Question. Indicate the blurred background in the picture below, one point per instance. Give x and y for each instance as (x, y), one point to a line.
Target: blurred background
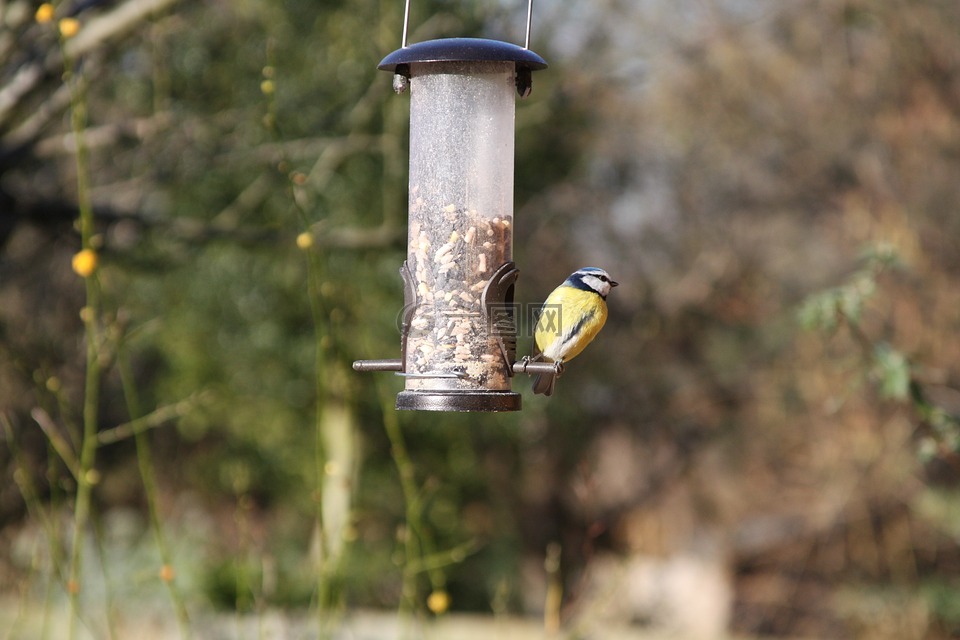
(763, 441)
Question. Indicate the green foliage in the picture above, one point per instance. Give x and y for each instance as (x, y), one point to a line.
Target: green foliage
(892, 371)
(943, 598)
(889, 368)
(825, 309)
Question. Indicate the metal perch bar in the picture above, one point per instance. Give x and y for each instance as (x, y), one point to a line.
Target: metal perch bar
(531, 368)
(386, 364)
(522, 366)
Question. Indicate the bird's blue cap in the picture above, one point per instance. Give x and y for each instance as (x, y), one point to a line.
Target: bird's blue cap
(576, 278)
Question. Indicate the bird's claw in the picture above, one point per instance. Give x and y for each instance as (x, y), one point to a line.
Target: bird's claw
(524, 361)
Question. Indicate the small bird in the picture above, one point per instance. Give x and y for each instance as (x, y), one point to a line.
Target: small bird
(570, 318)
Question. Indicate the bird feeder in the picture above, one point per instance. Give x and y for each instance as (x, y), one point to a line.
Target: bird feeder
(459, 323)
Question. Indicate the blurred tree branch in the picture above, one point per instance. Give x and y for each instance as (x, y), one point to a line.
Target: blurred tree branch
(58, 440)
(33, 96)
(116, 23)
(156, 418)
(194, 231)
(98, 31)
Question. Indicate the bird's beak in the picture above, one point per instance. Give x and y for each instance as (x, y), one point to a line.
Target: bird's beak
(613, 284)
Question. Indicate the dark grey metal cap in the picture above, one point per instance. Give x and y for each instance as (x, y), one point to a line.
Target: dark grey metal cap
(462, 50)
(459, 400)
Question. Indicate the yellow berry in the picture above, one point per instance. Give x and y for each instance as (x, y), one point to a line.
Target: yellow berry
(69, 27)
(438, 601)
(167, 573)
(85, 262)
(267, 87)
(305, 240)
(44, 13)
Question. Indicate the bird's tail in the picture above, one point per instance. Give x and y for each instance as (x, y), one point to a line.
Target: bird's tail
(544, 384)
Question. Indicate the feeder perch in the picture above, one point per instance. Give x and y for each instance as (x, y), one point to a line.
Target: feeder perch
(458, 323)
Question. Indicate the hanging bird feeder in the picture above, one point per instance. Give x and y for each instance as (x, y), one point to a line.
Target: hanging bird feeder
(459, 320)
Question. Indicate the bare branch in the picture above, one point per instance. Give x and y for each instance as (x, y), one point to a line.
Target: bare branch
(60, 444)
(93, 34)
(104, 136)
(23, 82)
(116, 23)
(28, 130)
(152, 420)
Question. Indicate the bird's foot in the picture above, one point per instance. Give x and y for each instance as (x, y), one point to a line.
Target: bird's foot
(522, 365)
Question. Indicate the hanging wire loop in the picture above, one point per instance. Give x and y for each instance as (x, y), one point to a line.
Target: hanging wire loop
(526, 42)
(406, 24)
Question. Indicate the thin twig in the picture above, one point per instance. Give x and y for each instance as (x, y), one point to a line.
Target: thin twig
(156, 418)
(412, 503)
(443, 559)
(148, 476)
(86, 476)
(56, 439)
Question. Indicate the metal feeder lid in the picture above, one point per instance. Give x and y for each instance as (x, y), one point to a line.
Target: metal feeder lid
(462, 50)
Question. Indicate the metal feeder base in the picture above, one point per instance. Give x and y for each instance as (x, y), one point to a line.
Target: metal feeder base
(458, 401)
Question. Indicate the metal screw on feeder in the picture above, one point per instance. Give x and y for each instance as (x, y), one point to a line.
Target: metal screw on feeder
(459, 330)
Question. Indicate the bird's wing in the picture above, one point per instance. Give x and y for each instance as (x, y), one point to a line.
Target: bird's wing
(572, 337)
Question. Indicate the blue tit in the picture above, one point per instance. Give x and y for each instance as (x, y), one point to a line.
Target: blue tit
(570, 318)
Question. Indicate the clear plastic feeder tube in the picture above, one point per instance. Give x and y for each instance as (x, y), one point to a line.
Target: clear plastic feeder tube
(458, 329)
(460, 220)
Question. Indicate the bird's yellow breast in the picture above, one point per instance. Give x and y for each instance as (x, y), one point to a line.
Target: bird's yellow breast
(569, 320)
